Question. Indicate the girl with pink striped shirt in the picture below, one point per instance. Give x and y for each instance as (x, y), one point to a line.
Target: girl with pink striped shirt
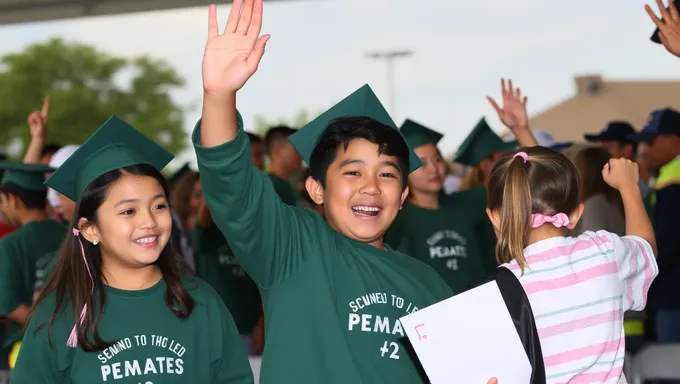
(578, 287)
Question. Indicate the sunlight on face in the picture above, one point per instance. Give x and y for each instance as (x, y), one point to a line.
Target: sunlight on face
(429, 178)
(363, 191)
(134, 222)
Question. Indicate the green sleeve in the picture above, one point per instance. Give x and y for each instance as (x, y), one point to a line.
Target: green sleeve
(485, 234)
(38, 361)
(229, 364)
(264, 233)
(9, 279)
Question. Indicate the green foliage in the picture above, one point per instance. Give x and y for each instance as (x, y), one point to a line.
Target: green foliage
(86, 87)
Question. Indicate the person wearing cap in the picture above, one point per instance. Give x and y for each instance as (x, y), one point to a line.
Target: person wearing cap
(23, 202)
(479, 150)
(5, 227)
(284, 162)
(333, 291)
(662, 134)
(451, 233)
(120, 305)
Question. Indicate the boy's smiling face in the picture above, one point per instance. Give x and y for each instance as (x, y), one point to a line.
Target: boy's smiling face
(364, 191)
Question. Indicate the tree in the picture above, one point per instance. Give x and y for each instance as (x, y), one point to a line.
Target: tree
(301, 119)
(86, 87)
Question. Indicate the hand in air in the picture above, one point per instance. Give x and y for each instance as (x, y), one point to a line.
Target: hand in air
(669, 26)
(492, 381)
(37, 121)
(232, 57)
(621, 173)
(514, 111)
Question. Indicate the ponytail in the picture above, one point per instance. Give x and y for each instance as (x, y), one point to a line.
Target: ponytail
(515, 214)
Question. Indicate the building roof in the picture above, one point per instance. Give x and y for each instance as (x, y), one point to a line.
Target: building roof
(598, 101)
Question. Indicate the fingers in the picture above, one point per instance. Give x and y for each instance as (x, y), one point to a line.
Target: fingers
(662, 38)
(258, 51)
(495, 105)
(664, 12)
(518, 94)
(504, 92)
(493, 380)
(524, 102)
(256, 21)
(232, 21)
(246, 17)
(45, 107)
(674, 11)
(653, 16)
(213, 29)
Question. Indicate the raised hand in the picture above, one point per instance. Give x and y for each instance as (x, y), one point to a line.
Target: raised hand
(669, 26)
(621, 173)
(514, 111)
(37, 121)
(232, 57)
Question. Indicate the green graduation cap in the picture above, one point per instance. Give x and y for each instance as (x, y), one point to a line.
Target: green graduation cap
(183, 170)
(481, 143)
(417, 134)
(26, 176)
(362, 102)
(114, 145)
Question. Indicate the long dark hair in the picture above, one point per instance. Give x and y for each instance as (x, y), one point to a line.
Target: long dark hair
(70, 280)
(589, 163)
(545, 183)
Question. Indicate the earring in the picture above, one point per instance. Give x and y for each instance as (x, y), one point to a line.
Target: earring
(95, 242)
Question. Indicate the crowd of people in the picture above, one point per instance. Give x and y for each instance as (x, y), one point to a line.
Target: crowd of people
(112, 272)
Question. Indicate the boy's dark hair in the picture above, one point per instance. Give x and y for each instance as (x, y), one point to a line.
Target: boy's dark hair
(342, 131)
(31, 199)
(546, 183)
(253, 138)
(50, 148)
(275, 135)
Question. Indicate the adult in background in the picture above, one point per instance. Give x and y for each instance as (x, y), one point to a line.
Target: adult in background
(603, 207)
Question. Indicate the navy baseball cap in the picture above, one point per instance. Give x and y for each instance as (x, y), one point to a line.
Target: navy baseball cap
(661, 122)
(614, 131)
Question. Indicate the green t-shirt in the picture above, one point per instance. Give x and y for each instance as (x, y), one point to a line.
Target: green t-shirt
(332, 305)
(44, 267)
(453, 239)
(150, 343)
(284, 190)
(217, 265)
(20, 252)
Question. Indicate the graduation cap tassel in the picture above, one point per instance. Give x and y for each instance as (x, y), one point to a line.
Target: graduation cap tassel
(73, 337)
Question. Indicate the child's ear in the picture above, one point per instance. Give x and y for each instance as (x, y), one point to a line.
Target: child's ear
(495, 219)
(575, 216)
(88, 231)
(315, 190)
(404, 195)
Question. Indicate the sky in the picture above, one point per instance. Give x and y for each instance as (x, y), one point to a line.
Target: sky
(318, 53)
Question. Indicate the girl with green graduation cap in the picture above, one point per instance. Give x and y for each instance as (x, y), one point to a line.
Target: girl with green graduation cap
(332, 292)
(449, 232)
(119, 307)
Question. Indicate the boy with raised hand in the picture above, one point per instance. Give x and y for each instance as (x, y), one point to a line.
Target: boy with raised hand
(332, 292)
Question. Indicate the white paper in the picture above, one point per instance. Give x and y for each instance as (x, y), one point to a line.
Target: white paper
(468, 339)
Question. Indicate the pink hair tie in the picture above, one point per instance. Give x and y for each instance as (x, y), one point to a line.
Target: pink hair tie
(73, 337)
(523, 155)
(558, 220)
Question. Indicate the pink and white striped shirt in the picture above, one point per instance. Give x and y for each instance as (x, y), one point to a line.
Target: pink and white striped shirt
(579, 288)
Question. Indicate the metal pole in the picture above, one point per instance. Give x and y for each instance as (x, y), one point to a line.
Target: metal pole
(390, 57)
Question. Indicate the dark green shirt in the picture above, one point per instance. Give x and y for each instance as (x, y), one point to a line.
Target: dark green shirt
(456, 239)
(284, 190)
(150, 343)
(218, 266)
(332, 304)
(20, 253)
